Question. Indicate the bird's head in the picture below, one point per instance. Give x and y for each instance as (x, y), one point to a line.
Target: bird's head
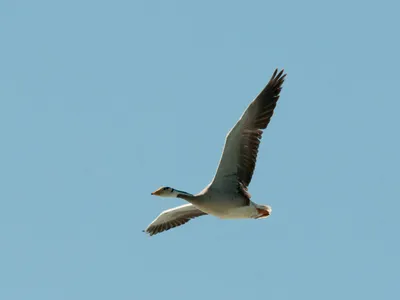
(165, 191)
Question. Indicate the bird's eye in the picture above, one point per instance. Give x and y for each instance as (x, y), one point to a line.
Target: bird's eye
(165, 188)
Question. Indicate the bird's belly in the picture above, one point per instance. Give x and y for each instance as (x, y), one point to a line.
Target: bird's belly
(229, 210)
(244, 212)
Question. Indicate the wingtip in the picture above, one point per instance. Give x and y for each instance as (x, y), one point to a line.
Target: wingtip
(148, 234)
(281, 72)
(279, 75)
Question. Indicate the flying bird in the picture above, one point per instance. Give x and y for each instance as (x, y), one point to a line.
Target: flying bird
(227, 195)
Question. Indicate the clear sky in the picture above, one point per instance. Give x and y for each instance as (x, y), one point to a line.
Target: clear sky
(102, 102)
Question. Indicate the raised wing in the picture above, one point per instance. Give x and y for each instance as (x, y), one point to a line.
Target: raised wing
(239, 156)
(173, 217)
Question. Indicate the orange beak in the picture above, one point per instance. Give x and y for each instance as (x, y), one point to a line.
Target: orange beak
(156, 193)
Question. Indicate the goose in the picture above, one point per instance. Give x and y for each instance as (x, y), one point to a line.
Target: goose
(227, 196)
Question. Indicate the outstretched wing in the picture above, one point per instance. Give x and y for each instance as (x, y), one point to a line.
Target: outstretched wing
(173, 217)
(239, 156)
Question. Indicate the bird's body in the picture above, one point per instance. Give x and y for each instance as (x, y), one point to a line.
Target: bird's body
(222, 204)
(227, 197)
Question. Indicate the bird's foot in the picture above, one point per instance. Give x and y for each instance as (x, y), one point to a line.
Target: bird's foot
(262, 213)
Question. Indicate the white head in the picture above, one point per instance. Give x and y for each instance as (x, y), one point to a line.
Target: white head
(166, 191)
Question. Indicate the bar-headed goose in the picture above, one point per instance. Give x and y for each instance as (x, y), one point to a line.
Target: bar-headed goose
(226, 196)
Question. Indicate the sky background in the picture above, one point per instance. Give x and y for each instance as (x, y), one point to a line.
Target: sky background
(102, 102)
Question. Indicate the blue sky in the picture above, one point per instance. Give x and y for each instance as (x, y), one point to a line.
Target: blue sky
(102, 102)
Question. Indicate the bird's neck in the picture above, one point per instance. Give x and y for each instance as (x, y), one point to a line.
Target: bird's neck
(183, 195)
